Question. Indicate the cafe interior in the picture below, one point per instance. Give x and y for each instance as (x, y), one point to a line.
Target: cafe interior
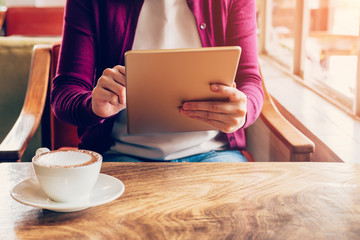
(302, 178)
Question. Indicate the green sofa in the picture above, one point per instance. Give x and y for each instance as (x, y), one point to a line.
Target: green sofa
(15, 59)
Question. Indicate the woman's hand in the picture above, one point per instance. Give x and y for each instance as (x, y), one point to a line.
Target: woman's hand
(109, 95)
(226, 116)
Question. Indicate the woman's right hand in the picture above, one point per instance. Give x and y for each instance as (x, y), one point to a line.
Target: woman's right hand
(109, 95)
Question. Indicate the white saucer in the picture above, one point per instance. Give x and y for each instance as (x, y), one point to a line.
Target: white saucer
(106, 189)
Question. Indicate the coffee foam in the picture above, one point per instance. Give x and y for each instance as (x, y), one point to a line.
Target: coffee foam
(66, 158)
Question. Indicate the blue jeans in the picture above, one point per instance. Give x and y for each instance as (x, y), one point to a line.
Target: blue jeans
(212, 156)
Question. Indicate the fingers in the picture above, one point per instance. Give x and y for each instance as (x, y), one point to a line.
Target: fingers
(120, 68)
(236, 101)
(231, 93)
(227, 121)
(111, 76)
(120, 78)
(226, 116)
(103, 94)
(223, 126)
(217, 107)
(232, 119)
(113, 80)
(109, 95)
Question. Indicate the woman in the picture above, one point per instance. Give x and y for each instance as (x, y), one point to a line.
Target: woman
(89, 88)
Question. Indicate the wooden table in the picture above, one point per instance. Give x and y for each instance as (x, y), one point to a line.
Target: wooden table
(201, 201)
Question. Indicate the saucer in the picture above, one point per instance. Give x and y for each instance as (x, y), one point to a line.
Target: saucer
(106, 189)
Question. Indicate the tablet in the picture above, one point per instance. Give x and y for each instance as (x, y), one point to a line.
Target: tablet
(158, 82)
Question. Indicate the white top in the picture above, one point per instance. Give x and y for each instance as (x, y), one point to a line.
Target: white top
(164, 24)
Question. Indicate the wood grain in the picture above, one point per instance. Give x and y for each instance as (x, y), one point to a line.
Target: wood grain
(273, 138)
(298, 144)
(15, 143)
(2, 16)
(201, 201)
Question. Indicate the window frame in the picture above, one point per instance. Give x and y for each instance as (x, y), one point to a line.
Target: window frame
(301, 32)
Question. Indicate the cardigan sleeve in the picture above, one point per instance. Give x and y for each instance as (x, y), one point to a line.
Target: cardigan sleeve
(241, 31)
(74, 80)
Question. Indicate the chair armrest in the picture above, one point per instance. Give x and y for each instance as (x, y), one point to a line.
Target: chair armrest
(15, 143)
(299, 145)
(273, 138)
(2, 16)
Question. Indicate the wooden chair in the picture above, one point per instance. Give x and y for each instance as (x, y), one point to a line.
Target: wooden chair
(271, 138)
(2, 16)
(15, 143)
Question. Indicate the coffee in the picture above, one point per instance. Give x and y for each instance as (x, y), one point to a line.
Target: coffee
(67, 158)
(67, 175)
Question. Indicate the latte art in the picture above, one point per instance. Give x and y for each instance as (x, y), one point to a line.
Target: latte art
(67, 158)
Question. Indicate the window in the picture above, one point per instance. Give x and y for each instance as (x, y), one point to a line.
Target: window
(281, 33)
(317, 40)
(332, 46)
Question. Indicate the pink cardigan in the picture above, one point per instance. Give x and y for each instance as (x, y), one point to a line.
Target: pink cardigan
(98, 33)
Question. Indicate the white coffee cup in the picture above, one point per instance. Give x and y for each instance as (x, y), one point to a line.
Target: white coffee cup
(67, 175)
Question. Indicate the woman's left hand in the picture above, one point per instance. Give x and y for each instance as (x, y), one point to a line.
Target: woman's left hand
(227, 116)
